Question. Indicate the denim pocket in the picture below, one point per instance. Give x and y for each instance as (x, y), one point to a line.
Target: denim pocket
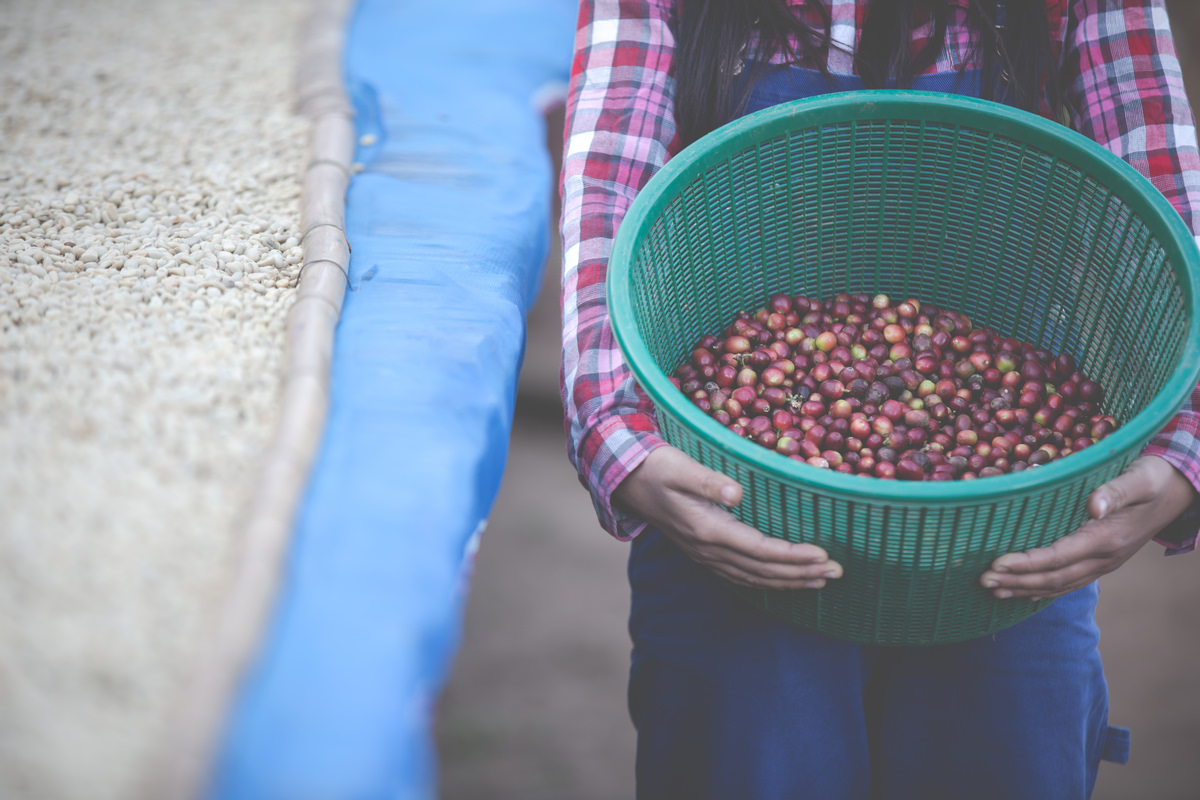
(1116, 745)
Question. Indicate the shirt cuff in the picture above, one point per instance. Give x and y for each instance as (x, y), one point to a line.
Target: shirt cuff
(616, 448)
(1183, 533)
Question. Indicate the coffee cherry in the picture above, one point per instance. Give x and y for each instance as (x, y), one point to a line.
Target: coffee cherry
(859, 385)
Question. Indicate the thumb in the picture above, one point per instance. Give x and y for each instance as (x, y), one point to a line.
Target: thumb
(693, 477)
(1131, 486)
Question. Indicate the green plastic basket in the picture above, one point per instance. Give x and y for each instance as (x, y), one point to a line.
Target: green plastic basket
(1026, 226)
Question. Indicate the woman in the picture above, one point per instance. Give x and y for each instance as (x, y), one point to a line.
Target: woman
(729, 703)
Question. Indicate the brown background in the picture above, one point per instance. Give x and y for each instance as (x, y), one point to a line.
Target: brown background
(535, 708)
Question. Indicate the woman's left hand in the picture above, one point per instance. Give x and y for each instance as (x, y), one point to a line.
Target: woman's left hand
(1126, 513)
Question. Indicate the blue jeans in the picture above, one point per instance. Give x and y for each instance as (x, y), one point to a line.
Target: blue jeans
(732, 704)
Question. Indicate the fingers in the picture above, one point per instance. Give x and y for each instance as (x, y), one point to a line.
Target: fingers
(742, 554)
(1039, 585)
(1080, 545)
(687, 501)
(691, 478)
(1126, 512)
(688, 475)
(1136, 485)
(769, 548)
(1094, 550)
(735, 574)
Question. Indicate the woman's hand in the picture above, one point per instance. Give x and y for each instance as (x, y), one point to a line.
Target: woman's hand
(675, 494)
(1126, 513)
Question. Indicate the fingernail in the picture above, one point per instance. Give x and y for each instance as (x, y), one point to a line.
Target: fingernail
(813, 584)
(991, 583)
(729, 494)
(1000, 568)
(1101, 507)
(1003, 594)
(830, 573)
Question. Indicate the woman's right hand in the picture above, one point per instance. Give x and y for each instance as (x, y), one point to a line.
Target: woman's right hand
(675, 494)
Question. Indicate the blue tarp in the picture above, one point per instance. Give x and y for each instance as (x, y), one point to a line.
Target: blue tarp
(448, 227)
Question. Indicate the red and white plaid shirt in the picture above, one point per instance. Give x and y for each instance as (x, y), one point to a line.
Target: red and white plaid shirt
(1123, 89)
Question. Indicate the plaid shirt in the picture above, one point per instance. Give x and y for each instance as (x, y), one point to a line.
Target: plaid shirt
(1123, 87)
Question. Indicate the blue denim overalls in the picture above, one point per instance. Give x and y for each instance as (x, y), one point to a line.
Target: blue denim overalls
(730, 704)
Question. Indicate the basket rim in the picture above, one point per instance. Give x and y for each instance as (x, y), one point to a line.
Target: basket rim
(1154, 210)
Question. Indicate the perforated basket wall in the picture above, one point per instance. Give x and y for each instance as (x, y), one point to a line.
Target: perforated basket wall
(1022, 224)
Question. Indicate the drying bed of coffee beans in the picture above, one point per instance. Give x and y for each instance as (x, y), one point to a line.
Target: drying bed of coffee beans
(151, 165)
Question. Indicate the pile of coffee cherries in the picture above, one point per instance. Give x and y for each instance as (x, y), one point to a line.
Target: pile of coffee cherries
(906, 391)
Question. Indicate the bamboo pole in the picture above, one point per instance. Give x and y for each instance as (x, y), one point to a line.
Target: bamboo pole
(190, 746)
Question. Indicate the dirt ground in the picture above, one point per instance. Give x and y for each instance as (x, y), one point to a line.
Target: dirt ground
(535, 708)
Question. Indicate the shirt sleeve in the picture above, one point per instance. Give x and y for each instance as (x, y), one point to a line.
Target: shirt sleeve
(1124, 89)
(620, 130)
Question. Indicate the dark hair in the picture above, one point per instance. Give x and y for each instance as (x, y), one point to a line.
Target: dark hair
(1010, 42)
